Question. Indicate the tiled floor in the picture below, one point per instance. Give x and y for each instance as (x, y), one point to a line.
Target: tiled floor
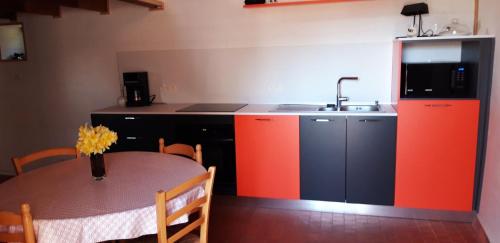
(4, 178)
(234, 223)
(248, 224)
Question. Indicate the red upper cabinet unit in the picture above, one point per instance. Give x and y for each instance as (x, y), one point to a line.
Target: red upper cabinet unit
(267, 156)
(436, 154)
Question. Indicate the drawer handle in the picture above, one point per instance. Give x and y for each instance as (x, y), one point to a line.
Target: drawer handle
(438, 105)
(369, 120)
(322, 120)
(131, 138)
(262, 119)
(129, 118)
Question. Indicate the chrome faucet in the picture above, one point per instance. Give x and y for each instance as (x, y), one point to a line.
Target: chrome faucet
(339, 91)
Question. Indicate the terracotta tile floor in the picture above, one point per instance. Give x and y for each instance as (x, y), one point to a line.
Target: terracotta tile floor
(233, 223)
(4, 178)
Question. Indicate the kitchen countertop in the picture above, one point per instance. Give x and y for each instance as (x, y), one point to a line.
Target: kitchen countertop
(251, 109)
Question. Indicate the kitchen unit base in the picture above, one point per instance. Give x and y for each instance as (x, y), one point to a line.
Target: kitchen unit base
(436, 156)
(323, 158)
(215, 133)
(348, 159)
(267, 156)
(351, 208)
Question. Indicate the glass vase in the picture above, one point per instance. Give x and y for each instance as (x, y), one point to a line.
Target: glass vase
(97, 166)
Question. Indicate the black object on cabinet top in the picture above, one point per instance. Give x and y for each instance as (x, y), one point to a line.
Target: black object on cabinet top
(207, 107)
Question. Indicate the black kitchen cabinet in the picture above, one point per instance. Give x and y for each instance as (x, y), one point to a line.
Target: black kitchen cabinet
(135, 132)
(371, 156)
(216, 136)
(323, 158)
(214, 133)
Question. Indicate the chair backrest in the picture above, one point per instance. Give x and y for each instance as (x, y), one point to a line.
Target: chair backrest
(182, 149)
(202, 204)
(13, 219)
(22, 161)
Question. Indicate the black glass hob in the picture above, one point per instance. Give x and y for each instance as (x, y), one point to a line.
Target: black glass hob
(212, 108)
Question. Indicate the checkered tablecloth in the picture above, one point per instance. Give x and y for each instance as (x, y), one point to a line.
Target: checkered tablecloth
(82, 210)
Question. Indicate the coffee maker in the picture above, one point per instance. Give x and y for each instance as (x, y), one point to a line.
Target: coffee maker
(137, 88)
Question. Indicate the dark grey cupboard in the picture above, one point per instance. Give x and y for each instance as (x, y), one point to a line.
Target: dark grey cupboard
(348, 159)
(371, 156)
(135, 132)
(214, 132)
(322, 158)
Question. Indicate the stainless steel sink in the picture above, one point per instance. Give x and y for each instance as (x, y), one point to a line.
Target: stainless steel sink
(325, 108)
(329, 108)
(360, 108)
(296, 108)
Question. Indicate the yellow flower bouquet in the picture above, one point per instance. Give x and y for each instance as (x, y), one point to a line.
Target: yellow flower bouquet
(95, 140)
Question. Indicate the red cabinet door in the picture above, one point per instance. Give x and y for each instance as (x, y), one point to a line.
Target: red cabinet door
(436, 154)
(267, 156)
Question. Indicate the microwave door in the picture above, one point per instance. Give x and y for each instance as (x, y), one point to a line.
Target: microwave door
(418, 81)
(440, 80)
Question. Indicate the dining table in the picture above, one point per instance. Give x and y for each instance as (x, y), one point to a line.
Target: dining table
(68, 205)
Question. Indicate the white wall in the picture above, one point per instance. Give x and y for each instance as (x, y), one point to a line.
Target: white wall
(278, 74)
(73, 69)
(489, 212)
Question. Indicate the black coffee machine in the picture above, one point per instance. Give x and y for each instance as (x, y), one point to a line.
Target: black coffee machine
(136, 85)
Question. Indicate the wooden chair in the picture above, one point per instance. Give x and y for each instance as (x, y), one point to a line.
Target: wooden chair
(25, 219)
(182, 149)
(28, 159)
(201, 204)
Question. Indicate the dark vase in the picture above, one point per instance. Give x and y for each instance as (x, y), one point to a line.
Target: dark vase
(97, 166)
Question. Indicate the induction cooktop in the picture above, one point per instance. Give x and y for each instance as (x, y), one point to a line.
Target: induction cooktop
(205, 107)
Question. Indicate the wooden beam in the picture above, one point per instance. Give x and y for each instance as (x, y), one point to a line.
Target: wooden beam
(11, 6)
(476, 17)
(151, 4)
(10, 15)
(43, 7)
(101, 6)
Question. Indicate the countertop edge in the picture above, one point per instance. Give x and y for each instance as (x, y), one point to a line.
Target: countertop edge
(251, 109)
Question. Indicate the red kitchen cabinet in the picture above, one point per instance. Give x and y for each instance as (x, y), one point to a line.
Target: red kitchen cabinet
(436, 154)
(267, 156)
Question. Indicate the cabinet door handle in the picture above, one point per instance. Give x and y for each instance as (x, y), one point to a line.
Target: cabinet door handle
(263, 119)
(369, 120)
(129, 118)
(438, 105)
(131, 138)
(322, 120)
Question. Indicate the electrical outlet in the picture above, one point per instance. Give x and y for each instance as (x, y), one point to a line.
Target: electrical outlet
(169, 87)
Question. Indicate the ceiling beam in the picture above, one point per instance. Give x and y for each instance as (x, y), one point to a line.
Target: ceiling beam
(151, 4)
(101, 6)
(476, 17)
(43, 7)
(10, 15)
(10, 8)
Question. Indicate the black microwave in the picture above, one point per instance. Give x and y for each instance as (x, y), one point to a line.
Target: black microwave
(437, 80)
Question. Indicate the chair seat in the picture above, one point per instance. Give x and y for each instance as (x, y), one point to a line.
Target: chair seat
(190, 238)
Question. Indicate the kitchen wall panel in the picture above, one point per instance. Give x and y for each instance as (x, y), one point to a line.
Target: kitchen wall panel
(281, 74)
(73, 67)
